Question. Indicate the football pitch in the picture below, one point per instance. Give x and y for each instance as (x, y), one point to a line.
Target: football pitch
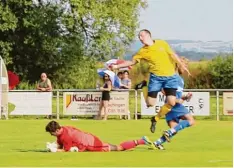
(207, 144)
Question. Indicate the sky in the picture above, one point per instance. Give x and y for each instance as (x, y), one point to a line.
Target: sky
(203, 20)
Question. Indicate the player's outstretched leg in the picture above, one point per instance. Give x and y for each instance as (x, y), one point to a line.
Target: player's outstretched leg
(168, 134)
(164, 110)
(148, 142)
(133, 144)
(170, 94)
(158, 143)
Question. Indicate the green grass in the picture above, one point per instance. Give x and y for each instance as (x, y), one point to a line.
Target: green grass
(208, 143)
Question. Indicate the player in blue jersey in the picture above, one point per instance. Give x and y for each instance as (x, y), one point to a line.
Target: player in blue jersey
(179, 117)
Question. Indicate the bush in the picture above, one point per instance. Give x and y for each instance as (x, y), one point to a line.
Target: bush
(221, 72)
(217, 73)
(26, 85)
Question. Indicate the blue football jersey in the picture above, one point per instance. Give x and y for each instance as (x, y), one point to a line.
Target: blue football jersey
(179, 109)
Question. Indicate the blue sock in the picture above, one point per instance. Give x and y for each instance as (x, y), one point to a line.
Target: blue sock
(182, 125)
(160, 140)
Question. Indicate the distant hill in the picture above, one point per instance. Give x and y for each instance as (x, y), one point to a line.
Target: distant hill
(194, 50)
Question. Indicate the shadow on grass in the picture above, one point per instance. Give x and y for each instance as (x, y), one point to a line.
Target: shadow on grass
(45, 151)
(31, 150)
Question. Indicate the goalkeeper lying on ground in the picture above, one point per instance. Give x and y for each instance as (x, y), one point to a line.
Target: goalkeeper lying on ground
(73, 139)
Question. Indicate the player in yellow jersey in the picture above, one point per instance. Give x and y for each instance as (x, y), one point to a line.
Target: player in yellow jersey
(161, 59)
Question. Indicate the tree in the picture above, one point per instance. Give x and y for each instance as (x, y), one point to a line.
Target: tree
(108, 25)
(8, 24)
(53, 36)
(40, 42)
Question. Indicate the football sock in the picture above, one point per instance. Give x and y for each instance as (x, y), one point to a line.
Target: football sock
(160, 141)
(164, 110)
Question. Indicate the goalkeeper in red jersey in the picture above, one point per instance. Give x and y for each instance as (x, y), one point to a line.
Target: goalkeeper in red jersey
(70, 138)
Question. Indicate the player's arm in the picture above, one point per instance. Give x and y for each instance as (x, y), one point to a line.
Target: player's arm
(125, 64)
(184, 97)
(71, 149)
(135, 59)
(175, 57)
(61, 150)
(180, 101)
(62, 145)
(67, 144)
(59, 144)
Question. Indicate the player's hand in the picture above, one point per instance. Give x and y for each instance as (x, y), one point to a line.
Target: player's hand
(186, 70)
(51, 147)
(189, 96)
(101, 88)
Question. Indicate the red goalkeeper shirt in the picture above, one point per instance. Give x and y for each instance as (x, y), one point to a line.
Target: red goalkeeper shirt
(71, 137)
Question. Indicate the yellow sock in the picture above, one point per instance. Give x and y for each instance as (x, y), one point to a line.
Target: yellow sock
(163, 111)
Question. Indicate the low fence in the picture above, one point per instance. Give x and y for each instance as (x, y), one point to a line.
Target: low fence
(76, 102)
